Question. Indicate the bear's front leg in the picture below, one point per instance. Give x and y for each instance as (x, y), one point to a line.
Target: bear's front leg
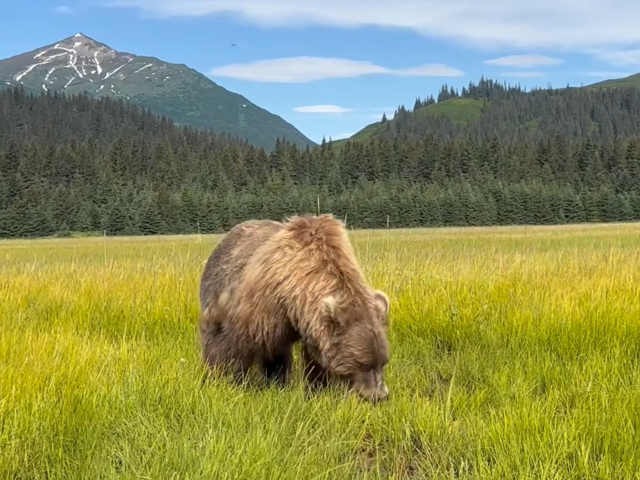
(222, 353)
(276, 368)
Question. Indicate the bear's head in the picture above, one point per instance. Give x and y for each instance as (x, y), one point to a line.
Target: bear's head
(359, 350)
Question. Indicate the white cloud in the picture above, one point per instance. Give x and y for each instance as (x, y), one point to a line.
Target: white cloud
(523, 74)
(322, 109)
(432, 70)
(64, 9)
(524, 61)
(560, 24)
(309, 69)
(620, 58)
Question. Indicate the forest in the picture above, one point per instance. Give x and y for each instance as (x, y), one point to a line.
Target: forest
(94, 166)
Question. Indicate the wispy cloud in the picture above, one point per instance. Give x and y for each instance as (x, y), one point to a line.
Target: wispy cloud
(523, 74)
(524, 61)
(561, 24)
(619, 58)
(64, 9)
(430, 70)
(309, 69)
(322, 109)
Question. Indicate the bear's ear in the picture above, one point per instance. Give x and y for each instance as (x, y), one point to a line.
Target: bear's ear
(382, 300)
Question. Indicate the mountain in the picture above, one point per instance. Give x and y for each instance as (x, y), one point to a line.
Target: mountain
(490, 106)
(80, 63)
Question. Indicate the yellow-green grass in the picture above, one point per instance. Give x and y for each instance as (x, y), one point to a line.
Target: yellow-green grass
(514, 354)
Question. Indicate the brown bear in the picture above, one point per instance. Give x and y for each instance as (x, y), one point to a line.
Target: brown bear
(270, 284)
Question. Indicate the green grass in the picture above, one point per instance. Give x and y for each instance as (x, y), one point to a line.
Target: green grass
(514, 354)
(458, 110)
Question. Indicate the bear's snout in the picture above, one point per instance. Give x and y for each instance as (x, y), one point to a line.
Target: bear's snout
(371, 386)
(376, 394)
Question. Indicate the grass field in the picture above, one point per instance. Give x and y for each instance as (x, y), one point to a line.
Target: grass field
(515, 353)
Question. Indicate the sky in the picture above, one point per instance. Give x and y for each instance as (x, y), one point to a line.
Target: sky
(332, 67)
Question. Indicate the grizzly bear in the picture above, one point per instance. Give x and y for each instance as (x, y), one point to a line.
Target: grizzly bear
(268, 285)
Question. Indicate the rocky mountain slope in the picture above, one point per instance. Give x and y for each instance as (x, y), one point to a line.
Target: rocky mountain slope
(80, 63)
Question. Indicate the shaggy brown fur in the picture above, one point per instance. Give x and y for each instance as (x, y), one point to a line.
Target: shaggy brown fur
(269, 284)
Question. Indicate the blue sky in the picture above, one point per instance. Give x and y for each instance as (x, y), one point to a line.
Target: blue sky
(331, 67)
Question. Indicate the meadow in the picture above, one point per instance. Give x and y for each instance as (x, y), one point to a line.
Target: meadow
(515, 353)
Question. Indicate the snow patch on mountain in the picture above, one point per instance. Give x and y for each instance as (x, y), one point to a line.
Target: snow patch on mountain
(142, 68)
(77, 58)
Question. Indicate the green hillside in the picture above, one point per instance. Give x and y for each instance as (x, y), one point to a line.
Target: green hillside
(468, 108)
(630, 81)
(460, 111)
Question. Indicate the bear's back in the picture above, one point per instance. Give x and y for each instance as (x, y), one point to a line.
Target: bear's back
(230, 257)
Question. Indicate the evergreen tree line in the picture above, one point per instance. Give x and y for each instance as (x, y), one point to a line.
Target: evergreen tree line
(522, 117)
(75, 163)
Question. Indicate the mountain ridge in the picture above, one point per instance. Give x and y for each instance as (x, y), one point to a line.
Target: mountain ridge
(79, 62)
